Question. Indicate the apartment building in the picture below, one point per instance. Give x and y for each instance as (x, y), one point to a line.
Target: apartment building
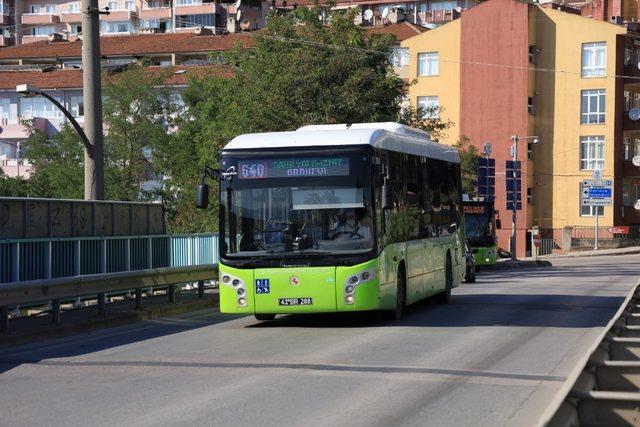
(513, 68)
(28, 21)
(66, 87)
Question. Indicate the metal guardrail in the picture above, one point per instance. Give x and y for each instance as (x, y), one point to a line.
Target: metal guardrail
(606, 233)
(546, 247)
(58, 289)
(32, 259)
(605, 387)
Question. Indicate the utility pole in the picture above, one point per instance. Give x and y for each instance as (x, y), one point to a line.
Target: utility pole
(92, 97)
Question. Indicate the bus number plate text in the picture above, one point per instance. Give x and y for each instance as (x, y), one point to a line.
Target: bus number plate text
(295, 301)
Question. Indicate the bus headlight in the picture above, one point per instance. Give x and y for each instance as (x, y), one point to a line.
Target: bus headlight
(349, 289)
(240, 291)
(349, 299)
(366, 275)
(236, 282)
(226, 279)
(242, 301)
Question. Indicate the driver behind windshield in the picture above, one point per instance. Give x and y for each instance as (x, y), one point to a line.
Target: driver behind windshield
(352, 225)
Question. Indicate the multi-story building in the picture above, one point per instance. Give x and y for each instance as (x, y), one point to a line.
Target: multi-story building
(27, 21)
(66, 87)
(508, 68)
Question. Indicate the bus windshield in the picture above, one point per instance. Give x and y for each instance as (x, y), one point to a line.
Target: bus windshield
(479, 226)
(269, 212)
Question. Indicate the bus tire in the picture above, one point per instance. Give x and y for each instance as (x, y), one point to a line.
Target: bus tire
(401, 294)
(445, 297)
(264, 317)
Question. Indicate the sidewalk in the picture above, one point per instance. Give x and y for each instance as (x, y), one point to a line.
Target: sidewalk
(633, 250)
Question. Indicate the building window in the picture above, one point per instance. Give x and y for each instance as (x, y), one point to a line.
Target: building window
(186, 21)
(594, 59)
(50, 9)
(591, 152)
(115, 27)
(38, 107)
(43, 31)
(77, 106)
(5, 109)
(429, 106)
(531, 105)
(35, 8)
(444, 5)
(627, 200)
(112, 5)
(75, 29)
(590, 210)
(428, 64)
(188, 2)
(400, 57)
(74, 8)
(533, 55)
(130, 5)
(593, 107)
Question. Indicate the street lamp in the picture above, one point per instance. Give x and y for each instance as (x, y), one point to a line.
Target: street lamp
(97, 173)
(514, 202)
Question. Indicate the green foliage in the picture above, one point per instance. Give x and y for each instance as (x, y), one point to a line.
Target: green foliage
(469, 165)
(135, 104)
(427, 119)
(299, 72)
(12, 187)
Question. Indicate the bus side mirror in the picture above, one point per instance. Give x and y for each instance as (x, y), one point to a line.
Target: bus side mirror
(202, 196)
(387, 197)
(498, 224)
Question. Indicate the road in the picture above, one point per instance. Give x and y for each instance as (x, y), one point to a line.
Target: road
(495, 356)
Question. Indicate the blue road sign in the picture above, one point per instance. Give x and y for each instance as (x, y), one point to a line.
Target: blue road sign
(599, 192)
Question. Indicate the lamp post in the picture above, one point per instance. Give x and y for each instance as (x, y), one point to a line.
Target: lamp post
(514, 202)
(97, 179)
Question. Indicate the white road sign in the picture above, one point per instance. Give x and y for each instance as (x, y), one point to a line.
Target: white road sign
(637, 205)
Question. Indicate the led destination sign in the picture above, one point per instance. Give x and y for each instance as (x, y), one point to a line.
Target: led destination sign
(292, 168)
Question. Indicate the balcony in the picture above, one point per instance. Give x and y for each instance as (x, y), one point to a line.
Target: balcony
(439, 16)
(120, 15)
(71, 17)
(33, 39)
(39, 18)
(6, 41)
(13, 129)
(196, 9)
(155, 13)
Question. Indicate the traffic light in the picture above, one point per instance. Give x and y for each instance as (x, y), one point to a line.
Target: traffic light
(487, 178)
(513, 184)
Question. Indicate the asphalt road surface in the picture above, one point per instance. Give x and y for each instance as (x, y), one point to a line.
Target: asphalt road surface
(496, 356)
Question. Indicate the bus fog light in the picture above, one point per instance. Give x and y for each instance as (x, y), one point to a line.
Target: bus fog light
(240, 291)
(353, 280)
(236, 282)
(226, 279)
(366, 275)
(349, 299)
(349, 289)
(242, 301)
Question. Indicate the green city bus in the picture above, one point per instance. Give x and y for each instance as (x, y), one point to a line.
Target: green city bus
(335, 218)
(480, 230)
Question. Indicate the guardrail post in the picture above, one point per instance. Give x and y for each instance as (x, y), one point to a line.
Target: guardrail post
(47, 259)
(102, 303)
(127, 255)
(138, 299)
(76, 258)
(200, 288)
(149, 253)
(55, 312)
(15, 262)
(4, 320)
(171, 290)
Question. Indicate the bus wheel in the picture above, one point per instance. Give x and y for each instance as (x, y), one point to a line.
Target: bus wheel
(264, 317)
(400, 295)
(445, 297)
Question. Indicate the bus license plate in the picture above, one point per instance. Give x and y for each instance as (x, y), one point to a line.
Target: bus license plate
(295, 301)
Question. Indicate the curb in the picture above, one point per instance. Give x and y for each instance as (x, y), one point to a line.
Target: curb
(109, 320)
(516, 265)
(591, 254)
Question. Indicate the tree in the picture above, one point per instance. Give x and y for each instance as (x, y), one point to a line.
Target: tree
(12, 186)
(427, 119)
(469, 165)
(136, 109)
(300, 71)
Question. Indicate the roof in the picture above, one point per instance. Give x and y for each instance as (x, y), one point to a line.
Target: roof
(131, 45)
(389, 135)
(72, 79)
(402, 30)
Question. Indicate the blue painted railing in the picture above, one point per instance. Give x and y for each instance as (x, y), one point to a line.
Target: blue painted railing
(31, 259)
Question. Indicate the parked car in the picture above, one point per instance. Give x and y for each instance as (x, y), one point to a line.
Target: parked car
(470, 273)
